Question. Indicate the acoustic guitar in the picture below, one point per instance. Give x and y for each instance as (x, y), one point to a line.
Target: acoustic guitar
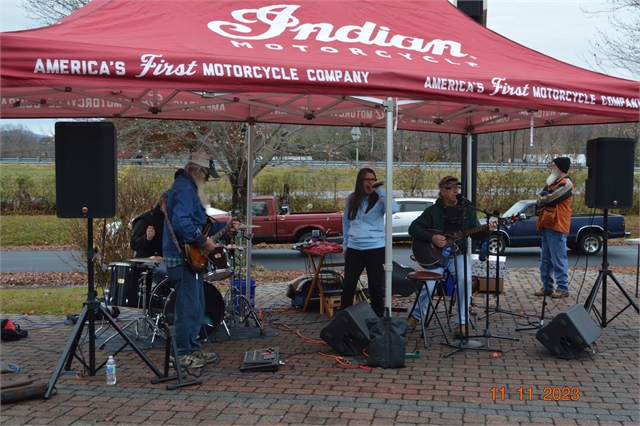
(426, 253)
(196, 256)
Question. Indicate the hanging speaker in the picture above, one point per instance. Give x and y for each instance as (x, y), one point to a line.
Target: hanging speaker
(348, 333)
(609, 183)
(569, 333)
(86, 180)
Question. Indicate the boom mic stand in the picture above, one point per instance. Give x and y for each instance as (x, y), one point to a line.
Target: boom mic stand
(487, 332)
(464, 342)
(602, 279)
(91, 305)
(544, 306)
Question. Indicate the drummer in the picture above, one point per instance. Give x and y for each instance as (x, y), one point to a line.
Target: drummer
(146, 239)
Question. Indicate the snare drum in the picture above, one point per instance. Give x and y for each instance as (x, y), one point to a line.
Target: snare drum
(129, 283)
(163, 302)
(219, 266)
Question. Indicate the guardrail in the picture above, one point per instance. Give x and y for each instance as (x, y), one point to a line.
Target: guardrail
(179, 162)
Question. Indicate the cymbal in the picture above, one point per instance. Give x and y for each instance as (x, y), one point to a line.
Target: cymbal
(248, 226)
(232, 246)
(152, 259)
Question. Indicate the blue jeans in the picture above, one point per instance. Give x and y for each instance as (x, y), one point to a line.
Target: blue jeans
(457, 270)
(189, 307)
(554, 260)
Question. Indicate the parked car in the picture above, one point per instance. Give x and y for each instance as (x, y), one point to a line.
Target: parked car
(410, 209)
(585, 233)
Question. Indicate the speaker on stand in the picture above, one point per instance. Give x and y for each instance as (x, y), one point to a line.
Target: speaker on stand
(609, 185)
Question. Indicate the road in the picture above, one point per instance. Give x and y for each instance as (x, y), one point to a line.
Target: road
(289, 259)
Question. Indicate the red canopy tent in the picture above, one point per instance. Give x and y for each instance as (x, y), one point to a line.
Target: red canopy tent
(325, 63)
(414, 65)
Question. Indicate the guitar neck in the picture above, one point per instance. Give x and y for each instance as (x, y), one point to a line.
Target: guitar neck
(220, 233)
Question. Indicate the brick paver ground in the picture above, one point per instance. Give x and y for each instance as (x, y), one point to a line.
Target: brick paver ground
(314, 387)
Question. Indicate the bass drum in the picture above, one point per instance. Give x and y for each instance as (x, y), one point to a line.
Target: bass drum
(163, 303)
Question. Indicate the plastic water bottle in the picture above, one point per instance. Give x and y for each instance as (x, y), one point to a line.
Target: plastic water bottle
(444, 258)
(111, 371)
(483, 252)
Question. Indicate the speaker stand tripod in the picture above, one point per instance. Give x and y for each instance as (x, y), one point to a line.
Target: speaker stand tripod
(602, 279)
(91, 305)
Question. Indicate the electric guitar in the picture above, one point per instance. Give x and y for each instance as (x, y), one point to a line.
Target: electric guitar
(196, 256)
(426, 253)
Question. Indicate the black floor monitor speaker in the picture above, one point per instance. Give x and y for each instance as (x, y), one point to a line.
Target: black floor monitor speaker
(609, 183)
(86, 179)
(569, 333)
(348, 333)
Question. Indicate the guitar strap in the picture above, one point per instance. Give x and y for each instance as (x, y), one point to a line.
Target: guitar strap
(173, 236)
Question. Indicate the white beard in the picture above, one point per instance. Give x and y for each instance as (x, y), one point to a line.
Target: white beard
(201, 195)
(553, 177)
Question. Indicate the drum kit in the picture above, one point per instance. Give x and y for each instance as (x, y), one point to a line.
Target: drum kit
(131, 286)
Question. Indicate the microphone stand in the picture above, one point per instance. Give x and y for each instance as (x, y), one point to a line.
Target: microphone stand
(464, 342)
(498, 309)
(487, 332)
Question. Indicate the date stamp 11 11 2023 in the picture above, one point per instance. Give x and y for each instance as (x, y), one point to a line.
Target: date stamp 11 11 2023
(549, 393)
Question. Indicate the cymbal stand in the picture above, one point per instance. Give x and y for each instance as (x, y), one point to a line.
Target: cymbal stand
(244, 311)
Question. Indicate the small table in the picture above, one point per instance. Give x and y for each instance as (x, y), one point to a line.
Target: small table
(320, 249)
(635, 241)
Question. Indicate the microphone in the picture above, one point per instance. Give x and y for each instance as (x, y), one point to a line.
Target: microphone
(459, 197)
(378, 184)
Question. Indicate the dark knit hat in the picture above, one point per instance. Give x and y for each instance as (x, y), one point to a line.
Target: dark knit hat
(563, 163)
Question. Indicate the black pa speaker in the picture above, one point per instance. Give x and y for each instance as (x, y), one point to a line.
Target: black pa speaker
(86, 180)
(569, 333)
(348, 333)
(609, 183)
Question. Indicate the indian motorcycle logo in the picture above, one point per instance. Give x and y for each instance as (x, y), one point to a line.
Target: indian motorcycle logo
(266, 23)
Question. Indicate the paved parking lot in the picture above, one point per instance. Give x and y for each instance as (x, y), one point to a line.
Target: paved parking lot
(522, 384)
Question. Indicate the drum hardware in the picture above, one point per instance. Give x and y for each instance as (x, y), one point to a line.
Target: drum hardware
(120, 294)
(244, 311)
(152, 259)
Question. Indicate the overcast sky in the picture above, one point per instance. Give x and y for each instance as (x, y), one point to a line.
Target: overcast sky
(557, 28)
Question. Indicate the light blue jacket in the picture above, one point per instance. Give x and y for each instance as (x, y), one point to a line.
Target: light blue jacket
(366, 231)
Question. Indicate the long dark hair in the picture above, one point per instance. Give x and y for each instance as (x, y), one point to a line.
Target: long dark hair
(355, 199)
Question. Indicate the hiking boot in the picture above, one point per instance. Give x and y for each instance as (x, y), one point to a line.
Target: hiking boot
(413, 322)
(559, 294)
(187, 361)
(543, 292)
(204, 356)
(459, 330)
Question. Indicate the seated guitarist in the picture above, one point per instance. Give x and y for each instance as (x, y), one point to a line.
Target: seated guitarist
(432, 226)
(185, 220)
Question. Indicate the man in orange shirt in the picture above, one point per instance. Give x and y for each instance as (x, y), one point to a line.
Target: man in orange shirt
(554, 220)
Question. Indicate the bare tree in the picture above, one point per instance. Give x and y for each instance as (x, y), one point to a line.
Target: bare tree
(47, 12)
(621, 49)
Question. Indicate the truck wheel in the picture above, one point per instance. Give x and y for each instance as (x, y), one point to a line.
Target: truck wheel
(305, 238)
(590, 244)
(496, 245)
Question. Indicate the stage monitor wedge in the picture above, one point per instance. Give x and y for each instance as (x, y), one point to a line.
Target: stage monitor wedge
(348, 333)
(86, 170)
(609, 183)
(569, 333)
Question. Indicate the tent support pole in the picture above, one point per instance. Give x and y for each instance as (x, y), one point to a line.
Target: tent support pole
(390, 106)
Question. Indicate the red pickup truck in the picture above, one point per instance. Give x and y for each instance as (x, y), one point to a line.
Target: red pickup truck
(281, 226)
